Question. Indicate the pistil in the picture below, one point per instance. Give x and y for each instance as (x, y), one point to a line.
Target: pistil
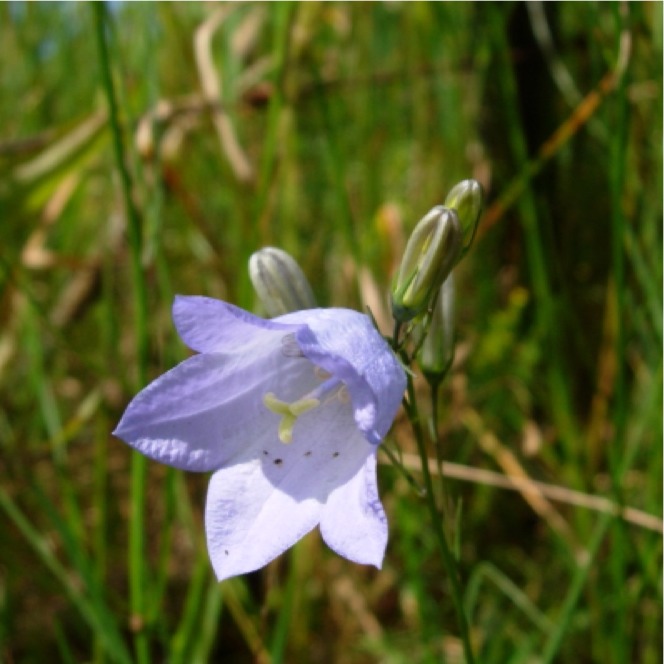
(291, 411)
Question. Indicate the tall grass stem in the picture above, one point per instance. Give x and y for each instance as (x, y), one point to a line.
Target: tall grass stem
(137, 569)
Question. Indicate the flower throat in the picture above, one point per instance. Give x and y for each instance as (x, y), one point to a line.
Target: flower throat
(331, 388)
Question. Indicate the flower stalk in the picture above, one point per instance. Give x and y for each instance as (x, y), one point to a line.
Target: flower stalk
(424, 295)
(449, 562)
(435, 358)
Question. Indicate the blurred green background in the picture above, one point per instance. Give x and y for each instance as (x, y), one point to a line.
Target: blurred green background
(147, 149)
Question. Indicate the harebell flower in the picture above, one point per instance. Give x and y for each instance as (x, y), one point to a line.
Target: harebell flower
(287, 414)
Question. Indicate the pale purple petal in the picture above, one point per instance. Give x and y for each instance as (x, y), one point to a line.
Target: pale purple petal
(353, 523)
(257, 508)
(199, 414)
(346, 344)
(249, 521)
(207, 325)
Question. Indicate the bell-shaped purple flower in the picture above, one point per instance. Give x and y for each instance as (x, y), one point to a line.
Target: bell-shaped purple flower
(288, 414)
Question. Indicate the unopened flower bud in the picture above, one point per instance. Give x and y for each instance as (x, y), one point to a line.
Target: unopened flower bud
(279, 282)
(431, 252)
(437, 351)
(466, 198)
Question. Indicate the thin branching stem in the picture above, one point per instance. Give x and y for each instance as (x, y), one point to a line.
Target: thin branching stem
(398, 464)
(410, 404)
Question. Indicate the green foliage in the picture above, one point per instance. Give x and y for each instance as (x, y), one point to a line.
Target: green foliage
(354, 119)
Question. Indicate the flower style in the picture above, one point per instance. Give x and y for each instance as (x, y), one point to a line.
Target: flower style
(288, 414)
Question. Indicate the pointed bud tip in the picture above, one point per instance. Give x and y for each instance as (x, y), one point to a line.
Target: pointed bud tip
(431, 252)
(279, 282)
(467, 199)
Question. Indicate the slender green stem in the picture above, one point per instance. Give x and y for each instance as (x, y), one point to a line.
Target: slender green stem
(395, 335)
(555, 641)
(410, 405)
(396, 462)
(437, 443)
(137, 581)
(284, 619)
(99, 535)
(184, 638)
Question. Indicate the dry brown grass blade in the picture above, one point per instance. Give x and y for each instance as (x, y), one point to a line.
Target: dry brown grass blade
(373, 298)
(14, 304)
(551, 491)
(60, 151)
(36, 254)
(355, 601)
(508, 461)
(213, 92)
(598, 427)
